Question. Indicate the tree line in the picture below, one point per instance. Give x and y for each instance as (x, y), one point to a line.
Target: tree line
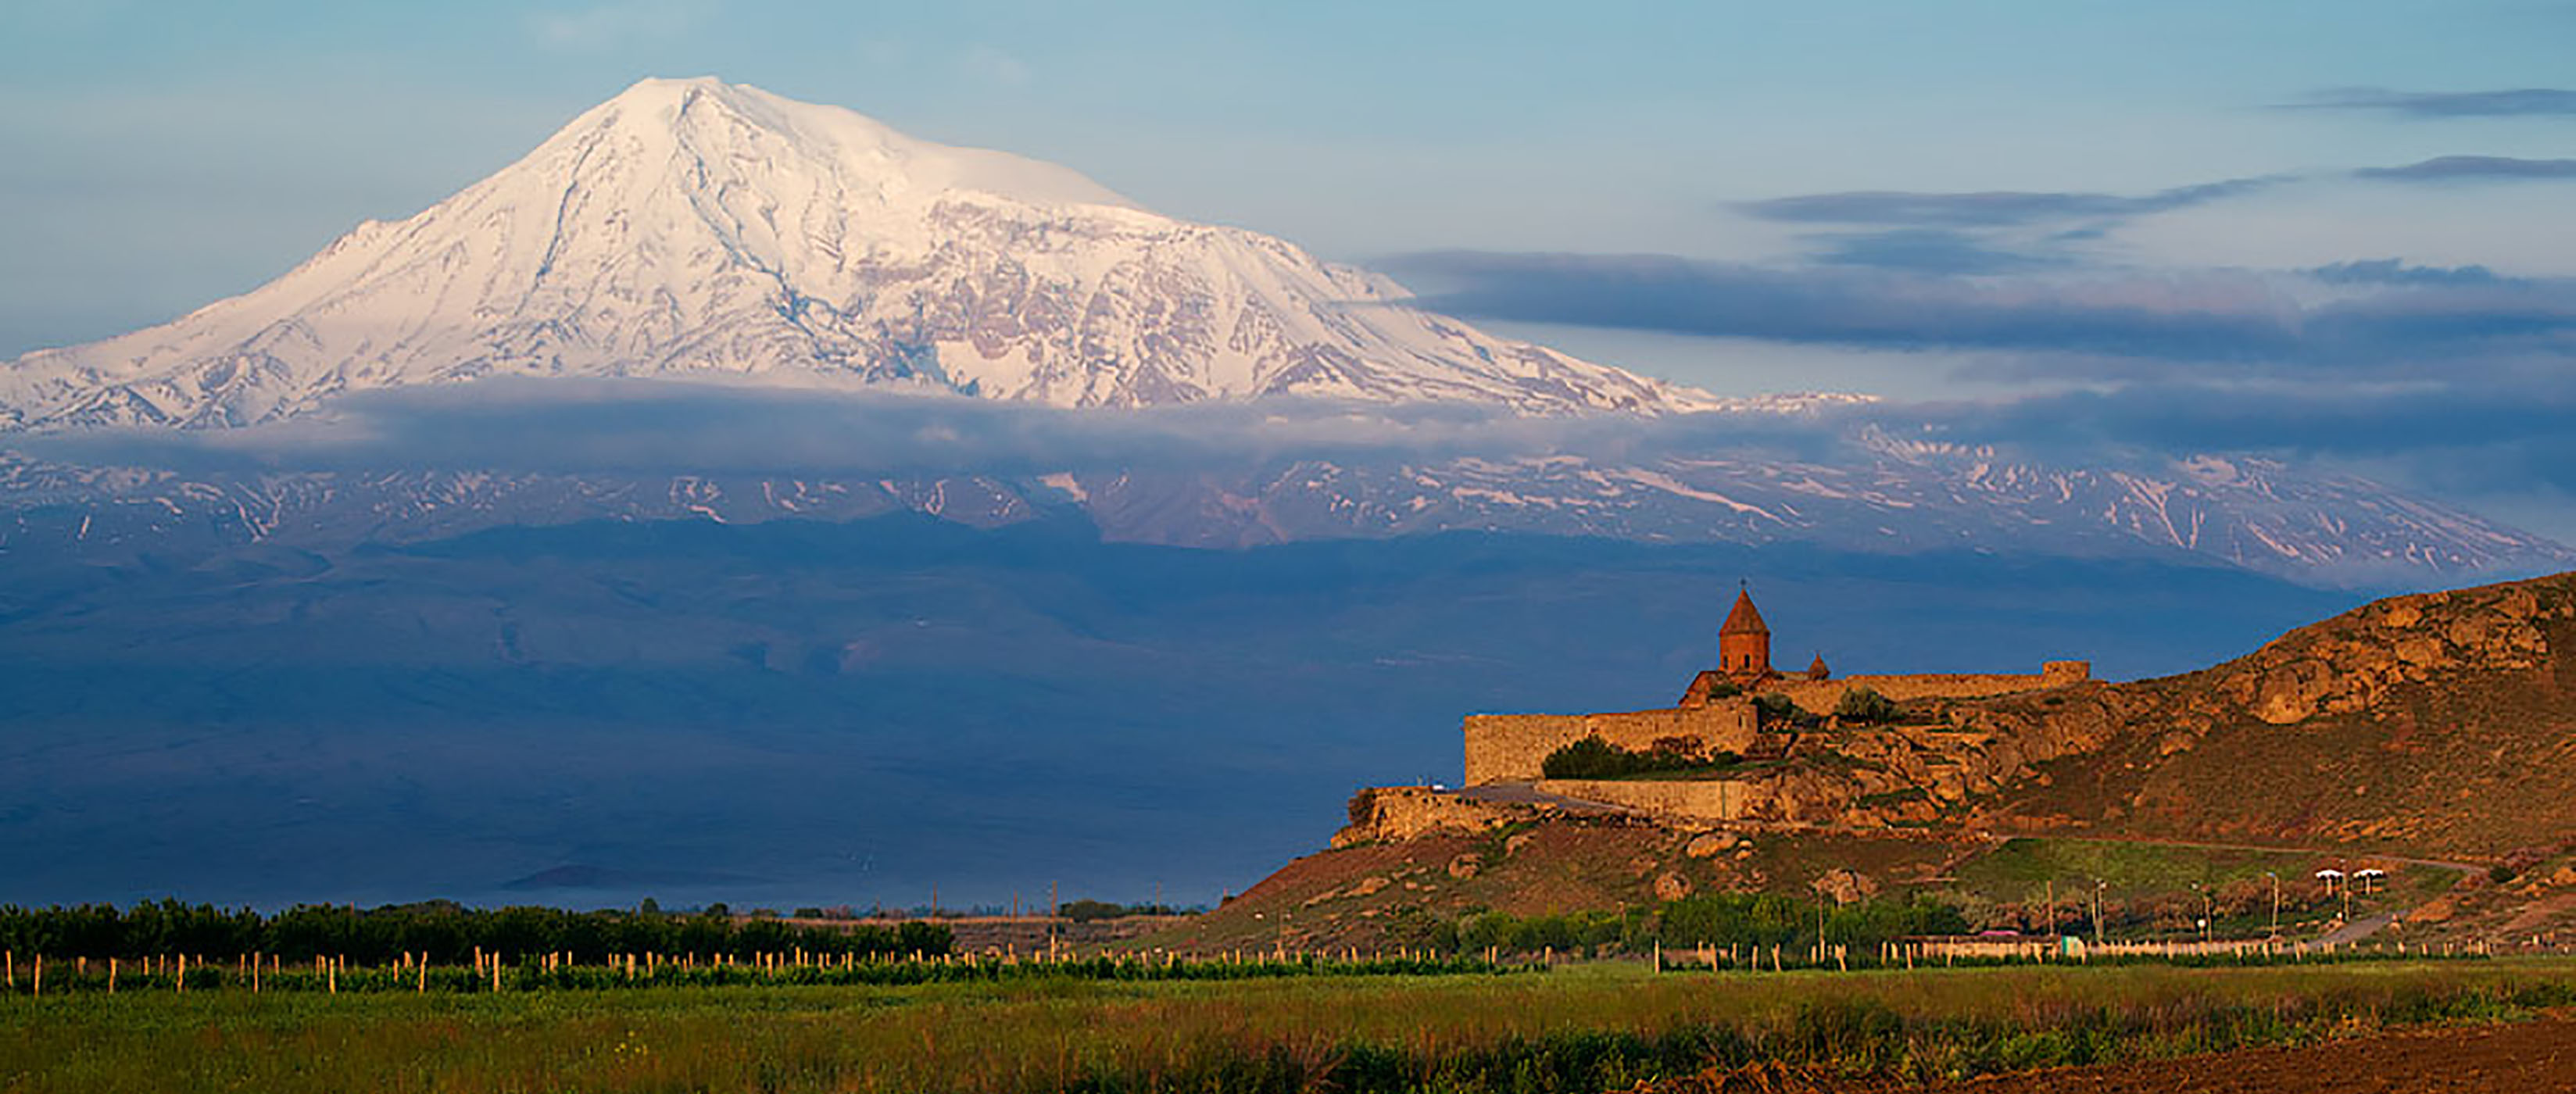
(1715, 919)
(445, 932)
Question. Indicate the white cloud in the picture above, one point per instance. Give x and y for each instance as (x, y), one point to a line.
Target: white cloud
(612, 24)
(986, 64)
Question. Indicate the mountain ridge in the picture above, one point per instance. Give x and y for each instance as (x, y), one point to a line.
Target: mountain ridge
(2255, 517)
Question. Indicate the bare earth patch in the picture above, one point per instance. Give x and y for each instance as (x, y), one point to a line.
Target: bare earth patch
(2518, 1056)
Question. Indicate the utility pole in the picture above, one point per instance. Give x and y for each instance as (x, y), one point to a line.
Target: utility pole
(2276, 902)
(2052, 907)
(2098, 884)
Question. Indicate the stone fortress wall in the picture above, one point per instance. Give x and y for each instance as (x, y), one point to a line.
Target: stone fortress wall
(1821, 695)
(1703, 800)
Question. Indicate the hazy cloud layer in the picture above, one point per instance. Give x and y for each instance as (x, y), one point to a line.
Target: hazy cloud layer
(2506, 103)
(1928, 250)
(2375, 318)
(2396, 271)
(660, 427)
(2469, 427)
(2458, 168)
(2306, 420)
(2469, 430)
(1987, 209)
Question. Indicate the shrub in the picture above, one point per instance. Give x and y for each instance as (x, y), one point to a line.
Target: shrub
(1862, 706)
(1085, 911)
(1594, 758)
(1589, 758)
(1723, 919)
(1568, 932)
(1775, 711)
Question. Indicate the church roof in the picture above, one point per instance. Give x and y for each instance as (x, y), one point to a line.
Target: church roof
(1745, 618)
(1817, 665)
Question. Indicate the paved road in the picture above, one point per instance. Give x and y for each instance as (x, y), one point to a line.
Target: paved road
(1529, 794)
(2358, 929)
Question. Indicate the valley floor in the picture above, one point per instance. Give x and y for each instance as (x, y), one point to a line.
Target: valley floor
(1611, 1026)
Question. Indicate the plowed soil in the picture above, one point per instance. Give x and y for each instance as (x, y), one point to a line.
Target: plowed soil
(2535, 1057)
(2516, 1057)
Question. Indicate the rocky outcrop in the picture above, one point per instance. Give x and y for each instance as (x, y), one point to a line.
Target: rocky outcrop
(2351, 663)
(2444, 723)
(1406, 812)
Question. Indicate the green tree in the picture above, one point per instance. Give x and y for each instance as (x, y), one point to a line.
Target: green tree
(1862, 706)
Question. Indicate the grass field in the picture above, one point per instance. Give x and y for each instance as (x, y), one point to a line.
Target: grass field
(1585, 1028)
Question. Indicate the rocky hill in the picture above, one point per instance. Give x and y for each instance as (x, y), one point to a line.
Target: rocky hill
(2434, 729)
(2444, 723)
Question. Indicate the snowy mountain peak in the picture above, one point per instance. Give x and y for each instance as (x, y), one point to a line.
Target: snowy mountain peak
(698, 229)
(703, 119)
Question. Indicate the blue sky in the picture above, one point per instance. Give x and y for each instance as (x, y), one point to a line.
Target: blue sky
(2364, 207)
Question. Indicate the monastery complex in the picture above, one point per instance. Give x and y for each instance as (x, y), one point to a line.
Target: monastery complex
(1719, 711)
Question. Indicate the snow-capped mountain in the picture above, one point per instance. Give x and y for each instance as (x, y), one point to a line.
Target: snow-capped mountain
(697, 229)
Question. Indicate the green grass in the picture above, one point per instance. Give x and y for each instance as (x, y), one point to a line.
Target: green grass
(1589, 1028)
(2132, 869)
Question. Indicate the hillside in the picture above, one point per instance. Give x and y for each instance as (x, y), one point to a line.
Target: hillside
(2429, 733)
(2440, 722)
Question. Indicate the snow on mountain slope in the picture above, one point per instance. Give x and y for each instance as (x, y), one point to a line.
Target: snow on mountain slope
(699, 229)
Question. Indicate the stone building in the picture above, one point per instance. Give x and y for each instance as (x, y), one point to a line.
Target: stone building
(1744, 643)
